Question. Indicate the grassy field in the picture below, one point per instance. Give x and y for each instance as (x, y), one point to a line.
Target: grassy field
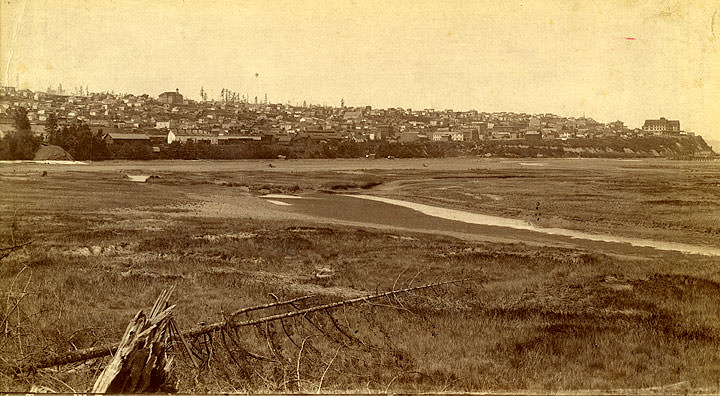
(533, 317)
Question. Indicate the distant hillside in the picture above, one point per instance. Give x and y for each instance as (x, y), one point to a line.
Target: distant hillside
(675, 147)
(715, 144)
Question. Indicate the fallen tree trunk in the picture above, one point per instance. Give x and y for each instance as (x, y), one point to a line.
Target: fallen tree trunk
(269, 305)
(204, 329)
(96, 352)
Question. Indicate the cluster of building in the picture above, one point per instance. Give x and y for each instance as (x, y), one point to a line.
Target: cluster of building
(172, 118)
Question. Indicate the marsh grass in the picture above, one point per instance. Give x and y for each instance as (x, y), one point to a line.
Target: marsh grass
(532, 318)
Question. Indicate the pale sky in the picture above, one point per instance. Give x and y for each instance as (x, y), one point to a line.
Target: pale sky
(564, 57)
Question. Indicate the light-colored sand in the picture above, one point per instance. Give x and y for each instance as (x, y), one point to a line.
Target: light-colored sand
(476, 218)
(46, 162)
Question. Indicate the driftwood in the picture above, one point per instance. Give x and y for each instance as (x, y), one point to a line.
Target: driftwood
(141, 364)
(96, 352)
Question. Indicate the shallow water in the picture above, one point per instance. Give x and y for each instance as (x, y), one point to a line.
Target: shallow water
(280, 196)
(475, 218)
(138, 178)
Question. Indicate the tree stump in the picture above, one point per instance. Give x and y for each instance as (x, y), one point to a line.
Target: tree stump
(141, 364)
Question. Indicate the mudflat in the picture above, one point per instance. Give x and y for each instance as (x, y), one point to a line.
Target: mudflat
(541, 311)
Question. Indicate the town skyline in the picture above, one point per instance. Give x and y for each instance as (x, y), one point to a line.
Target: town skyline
(341, 103)
(614, 61)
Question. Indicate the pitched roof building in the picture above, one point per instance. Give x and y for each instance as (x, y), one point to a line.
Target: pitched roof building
(125, 138)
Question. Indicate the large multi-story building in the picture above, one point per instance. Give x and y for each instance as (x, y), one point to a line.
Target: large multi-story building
(661, 125)
(171, 97)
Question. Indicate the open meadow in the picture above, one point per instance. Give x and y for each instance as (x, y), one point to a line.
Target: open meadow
(538, 312)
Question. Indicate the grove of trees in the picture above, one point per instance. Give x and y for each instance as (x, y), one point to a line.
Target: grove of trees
(19, 144)
(78, 140)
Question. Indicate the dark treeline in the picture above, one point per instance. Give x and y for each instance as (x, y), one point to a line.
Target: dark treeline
(306, 150)
(82, 144)
(591, 148)
(78, 140)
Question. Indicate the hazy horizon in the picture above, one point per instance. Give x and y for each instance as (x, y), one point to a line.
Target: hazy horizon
(623, 59)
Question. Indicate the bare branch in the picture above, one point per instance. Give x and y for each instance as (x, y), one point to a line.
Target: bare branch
(302, 346)
(327, 368)
(343, 332)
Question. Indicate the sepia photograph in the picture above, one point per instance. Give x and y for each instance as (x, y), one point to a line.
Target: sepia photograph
(360, 197)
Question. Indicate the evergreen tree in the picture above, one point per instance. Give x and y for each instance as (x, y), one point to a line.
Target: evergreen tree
(21, 120)
(50, 127)
(19, 144)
